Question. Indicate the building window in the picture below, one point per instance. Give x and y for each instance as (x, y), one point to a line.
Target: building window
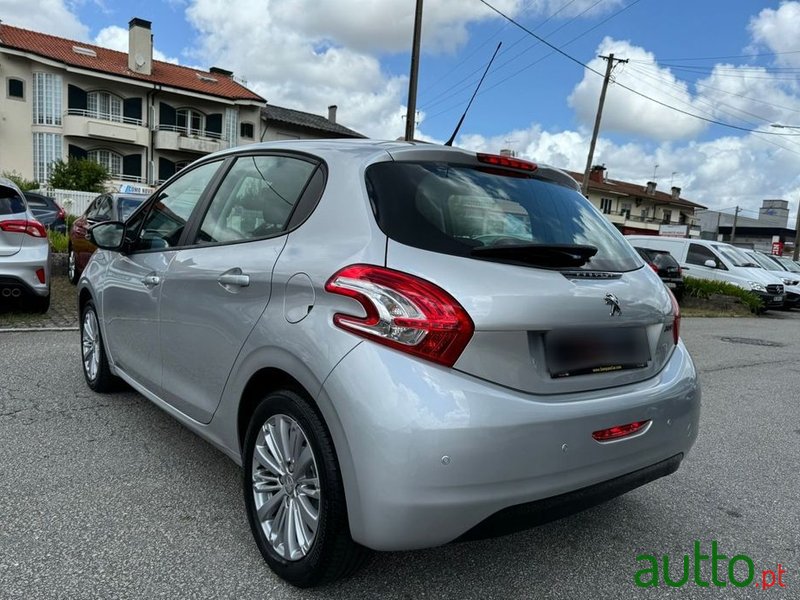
(16, 88)
(47, 148)
(644, 214)
(103, 105)
(190, 121)
(231, 125)
(109, 159)
(666, 216)
(605, 205)
(625, 211)
(46, 99)
(246, 131)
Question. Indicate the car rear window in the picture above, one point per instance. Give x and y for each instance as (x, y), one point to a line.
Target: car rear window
(452, 209)
(127, 205)
(10, 201)
(36, 201)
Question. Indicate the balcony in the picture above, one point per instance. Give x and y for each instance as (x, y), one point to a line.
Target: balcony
(91, 124)
(170, 137)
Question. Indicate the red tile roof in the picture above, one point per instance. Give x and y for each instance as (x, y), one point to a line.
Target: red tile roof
(116, 63)
(626, 188)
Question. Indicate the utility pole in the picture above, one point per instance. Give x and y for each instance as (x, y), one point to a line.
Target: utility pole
(412, 78)
(609, 66)
(796, 251)
(733, 229)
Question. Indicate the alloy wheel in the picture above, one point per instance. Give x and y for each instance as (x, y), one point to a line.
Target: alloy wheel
(90, 342)
(286, 487)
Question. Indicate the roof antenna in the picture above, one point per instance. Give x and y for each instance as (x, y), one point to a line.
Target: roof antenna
(475, 93)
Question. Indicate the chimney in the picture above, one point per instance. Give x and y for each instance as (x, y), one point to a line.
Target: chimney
(597, 173)
(140, 46)
(332, 113)
(676, 193)
(221, 71)
(651, 188)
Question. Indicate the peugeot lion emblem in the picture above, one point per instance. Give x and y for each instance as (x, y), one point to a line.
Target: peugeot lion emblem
(612, 301)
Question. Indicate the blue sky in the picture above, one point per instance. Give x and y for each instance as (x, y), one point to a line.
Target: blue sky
(307, 54)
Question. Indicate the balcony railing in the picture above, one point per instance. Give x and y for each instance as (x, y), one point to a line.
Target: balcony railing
(103, 116)
(189, 132)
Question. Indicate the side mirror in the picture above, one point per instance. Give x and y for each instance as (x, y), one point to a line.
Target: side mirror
(108, 236)
(710, 264)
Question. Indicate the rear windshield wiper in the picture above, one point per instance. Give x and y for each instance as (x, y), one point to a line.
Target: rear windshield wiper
(541, 255)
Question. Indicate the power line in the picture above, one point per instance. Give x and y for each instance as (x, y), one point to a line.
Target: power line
(638, 93)
(733, 56)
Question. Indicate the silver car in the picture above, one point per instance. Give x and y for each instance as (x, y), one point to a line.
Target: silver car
(24, 252)
(402, 344)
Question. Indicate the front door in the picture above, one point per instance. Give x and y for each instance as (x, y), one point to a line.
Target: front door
(216, 289)
(133, 283)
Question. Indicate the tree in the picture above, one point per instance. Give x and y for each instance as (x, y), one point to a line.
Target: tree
(80, 174)
(22, 183)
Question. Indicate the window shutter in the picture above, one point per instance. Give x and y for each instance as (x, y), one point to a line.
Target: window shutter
(214, 123)
(76, 97)
(166, 115)
(132, 165)
(77, 152)
(132, 108)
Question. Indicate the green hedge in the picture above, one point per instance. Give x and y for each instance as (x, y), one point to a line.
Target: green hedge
(58, 241)
(705, 288)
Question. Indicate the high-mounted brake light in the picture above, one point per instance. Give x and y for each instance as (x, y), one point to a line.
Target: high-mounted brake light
(33, 228)
(620, 431)
(403, 312)
(507, 161)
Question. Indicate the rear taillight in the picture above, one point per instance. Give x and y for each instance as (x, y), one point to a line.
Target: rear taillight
(403, 312)
(676, 313)
(28, 227)
(62, 214)
(653, 266)
(620, 431)
(506, 161)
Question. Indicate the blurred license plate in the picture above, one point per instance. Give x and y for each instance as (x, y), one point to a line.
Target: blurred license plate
(596, 351)
(671, 285)
(778, 298)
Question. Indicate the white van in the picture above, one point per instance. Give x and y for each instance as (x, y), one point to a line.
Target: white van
(707, 259)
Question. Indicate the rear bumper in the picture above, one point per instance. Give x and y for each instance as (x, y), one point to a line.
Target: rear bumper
(429, 453)
(19, 271)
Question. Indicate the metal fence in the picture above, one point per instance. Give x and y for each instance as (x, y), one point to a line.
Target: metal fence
(74, 203)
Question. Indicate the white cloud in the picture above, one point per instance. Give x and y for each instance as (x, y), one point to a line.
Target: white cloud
(626, 112)
(116, 38)
(48, 16)
(778, 30)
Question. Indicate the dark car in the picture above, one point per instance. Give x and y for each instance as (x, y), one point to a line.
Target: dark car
(668, 269)
(106, 207)
(47, 211)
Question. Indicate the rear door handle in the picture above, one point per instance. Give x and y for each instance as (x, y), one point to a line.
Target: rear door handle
(234, 279)
(151, 280)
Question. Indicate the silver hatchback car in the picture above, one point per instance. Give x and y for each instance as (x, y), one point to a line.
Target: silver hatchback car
(24, 251)
(402, 344)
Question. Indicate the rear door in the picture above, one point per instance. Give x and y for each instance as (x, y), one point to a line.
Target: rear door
(12, 208)
(215, 290)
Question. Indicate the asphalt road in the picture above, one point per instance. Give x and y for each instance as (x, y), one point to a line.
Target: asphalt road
(107, 497)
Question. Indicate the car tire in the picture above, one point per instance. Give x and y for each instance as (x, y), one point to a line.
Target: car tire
(93, 355)
(326, 552)
(40, 304)
(73, 274)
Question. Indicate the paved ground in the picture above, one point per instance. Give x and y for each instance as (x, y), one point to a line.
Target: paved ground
(63, 311)
(107, 497)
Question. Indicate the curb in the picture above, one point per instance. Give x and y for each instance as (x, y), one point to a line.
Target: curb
(29, 329)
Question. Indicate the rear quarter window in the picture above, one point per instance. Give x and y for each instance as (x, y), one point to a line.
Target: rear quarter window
(452, 208)
(11, 202)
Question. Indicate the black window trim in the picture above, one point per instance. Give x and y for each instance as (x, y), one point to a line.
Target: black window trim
(307, 200)
(8, 89)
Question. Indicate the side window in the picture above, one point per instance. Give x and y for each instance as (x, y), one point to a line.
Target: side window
(103, 210)
(172, 207)
(91, 212)
(255, 199)
(698, 255)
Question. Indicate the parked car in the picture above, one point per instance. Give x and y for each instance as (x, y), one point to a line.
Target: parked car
(791, 281)
(783, 262)
(24, 251)
(106, 207)
(403, 345)
(667, 268)
(705, 259)
(47, 211)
